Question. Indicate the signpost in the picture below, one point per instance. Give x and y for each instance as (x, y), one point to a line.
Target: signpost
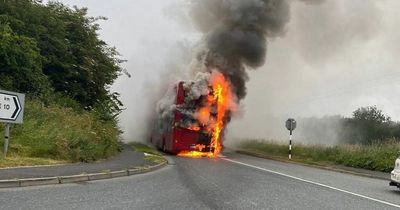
(11, 111)
(290, 125)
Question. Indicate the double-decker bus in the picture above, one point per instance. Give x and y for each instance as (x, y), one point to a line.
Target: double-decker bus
(180, 131)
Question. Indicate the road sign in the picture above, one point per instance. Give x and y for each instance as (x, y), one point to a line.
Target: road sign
(291, 124)
(11, 107)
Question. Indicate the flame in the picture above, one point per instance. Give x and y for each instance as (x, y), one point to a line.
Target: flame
(221, 98)
(195, 154)
(200, 147)
(203, 115)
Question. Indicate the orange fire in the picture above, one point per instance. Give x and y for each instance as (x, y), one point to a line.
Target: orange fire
(203, 115)
(196, 154)
(222, 94)
(221, 98)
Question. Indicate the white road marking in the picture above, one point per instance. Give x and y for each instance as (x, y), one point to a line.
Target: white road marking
(311, 182)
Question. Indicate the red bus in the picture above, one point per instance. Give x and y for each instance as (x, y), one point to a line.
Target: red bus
(181, 131)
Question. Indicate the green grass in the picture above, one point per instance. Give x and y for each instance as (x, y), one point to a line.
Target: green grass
(16, 161)
(155, 156)
(59, 134)
(379, 157)
(144, 148)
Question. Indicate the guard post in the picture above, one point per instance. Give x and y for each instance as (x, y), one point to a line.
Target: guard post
(290, 125)
(11, 112)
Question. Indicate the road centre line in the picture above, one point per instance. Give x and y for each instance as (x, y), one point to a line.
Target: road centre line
(311, 182)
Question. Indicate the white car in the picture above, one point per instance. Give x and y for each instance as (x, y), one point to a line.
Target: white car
(395, 175)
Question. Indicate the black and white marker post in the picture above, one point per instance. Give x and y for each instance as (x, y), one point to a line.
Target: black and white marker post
(290, 125)
(6, 137)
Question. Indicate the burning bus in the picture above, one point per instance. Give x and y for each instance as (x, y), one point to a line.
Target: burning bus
(236, 34)
(191, 116)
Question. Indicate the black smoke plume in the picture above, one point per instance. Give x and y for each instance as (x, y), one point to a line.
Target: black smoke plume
(237, 33)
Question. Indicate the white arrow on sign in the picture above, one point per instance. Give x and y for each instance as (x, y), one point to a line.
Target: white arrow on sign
(10, 107)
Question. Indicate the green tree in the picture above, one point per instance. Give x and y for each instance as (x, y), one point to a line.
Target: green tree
(76, 61)
(371, 125)
(20, 64)
(371, 114)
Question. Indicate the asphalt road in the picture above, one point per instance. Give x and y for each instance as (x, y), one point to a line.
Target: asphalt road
(234, 182)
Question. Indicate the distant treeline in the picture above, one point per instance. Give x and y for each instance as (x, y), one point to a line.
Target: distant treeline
(367, 125)
(54, 53)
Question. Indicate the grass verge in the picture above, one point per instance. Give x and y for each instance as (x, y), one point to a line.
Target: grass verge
(144, 148)
(17, 161)
(54, 134)
(153, 155)
(379, 157)
(155, 158)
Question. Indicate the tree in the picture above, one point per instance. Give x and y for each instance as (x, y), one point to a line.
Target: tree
(75, 60)
(371, 114)
(20, 64)
(370, 125)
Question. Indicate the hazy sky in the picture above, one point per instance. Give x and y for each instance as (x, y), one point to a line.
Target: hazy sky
(335, 56)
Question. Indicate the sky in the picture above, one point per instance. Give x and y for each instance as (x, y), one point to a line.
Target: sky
(334, 57)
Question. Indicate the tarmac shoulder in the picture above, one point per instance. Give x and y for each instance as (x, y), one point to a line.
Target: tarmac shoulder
(127, 162)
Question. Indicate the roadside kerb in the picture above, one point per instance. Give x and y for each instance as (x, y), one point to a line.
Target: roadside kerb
(160, 165)
(38, 181)
(119, 173)
(330, 168)
(77, 178)
(9, 183)
(98, 176)
(74, 178)
(136, 171)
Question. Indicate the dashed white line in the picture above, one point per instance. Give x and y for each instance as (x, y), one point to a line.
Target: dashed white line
(314, 183)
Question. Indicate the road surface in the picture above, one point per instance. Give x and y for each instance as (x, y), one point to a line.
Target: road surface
(234, 182)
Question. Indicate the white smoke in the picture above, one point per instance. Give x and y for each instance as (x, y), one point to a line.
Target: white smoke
(166, 105)
(198, 87)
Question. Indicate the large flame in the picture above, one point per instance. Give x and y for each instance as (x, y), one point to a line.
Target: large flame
(221, 99)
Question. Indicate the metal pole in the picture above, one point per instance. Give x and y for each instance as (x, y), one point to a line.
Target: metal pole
(290, 145)
(6, 138)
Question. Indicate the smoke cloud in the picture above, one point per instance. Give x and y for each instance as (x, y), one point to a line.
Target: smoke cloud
(236, 34)
(331, 61)
(235, 39)
(330, 58)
